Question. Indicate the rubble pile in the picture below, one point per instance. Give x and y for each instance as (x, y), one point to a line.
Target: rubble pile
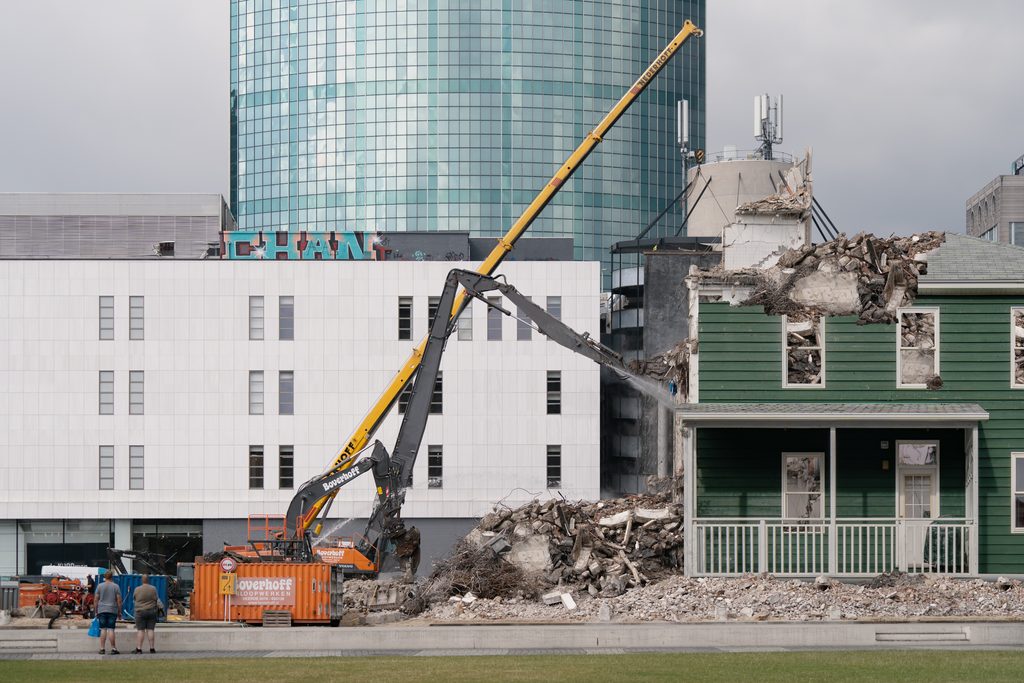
(669, 367)
(601, 548)
(917, 349)
(803, 352)
(480, 571)
(882, 273)
(763, 597)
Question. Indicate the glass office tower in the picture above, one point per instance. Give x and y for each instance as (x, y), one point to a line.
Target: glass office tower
(452, 114)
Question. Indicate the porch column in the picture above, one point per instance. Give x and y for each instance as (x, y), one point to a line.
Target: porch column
(689, 447)
(972, 496)
(833, 538)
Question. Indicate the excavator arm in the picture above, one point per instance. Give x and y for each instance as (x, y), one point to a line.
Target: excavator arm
(373, 419)
(393, 472)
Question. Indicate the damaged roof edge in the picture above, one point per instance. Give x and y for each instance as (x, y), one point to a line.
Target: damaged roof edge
(954, 414)
(974, 287)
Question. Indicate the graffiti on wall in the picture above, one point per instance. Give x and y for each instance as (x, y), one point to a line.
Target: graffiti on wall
(303, 246)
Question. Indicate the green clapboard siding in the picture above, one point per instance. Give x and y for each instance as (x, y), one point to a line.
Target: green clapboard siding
(741, 361)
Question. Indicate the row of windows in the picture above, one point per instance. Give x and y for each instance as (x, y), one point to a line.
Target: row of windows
(464, 332)
(286, 467)
(917, 351)
(285, 319)
(136, 317)
(136, 392)
(136, 468)
(285, 392)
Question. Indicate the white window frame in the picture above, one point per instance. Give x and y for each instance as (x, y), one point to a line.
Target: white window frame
(1016, 461)
(785, 357)
(435, 481)
(922, 469)
(136, 317)
(1012, 236)
(1014, 310)
(465, 323)
(257, 390)
(785, 494)
(257, 318)
(899, 344)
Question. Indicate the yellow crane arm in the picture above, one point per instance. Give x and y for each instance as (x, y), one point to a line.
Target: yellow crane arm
(358, 440)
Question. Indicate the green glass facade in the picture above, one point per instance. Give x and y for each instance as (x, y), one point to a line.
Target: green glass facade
(452, 114)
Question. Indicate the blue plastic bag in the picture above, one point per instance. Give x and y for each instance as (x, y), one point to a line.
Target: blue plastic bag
(94, 628)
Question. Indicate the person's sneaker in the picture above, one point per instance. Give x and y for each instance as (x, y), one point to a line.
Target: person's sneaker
(103, 652)
(137, 651)
(114, 652)
(152, 651)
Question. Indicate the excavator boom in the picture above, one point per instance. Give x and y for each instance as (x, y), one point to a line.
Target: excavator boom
(373, 419)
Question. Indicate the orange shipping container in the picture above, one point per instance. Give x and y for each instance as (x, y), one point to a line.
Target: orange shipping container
(311, 591)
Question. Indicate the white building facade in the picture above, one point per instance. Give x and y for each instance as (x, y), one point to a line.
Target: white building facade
(164, 398)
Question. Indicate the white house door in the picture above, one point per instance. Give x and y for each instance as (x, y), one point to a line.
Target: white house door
(917, 499)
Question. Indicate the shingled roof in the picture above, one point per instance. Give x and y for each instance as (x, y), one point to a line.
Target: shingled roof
(963, 259)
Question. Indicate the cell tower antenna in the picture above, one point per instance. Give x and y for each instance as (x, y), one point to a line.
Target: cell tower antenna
(767, 123)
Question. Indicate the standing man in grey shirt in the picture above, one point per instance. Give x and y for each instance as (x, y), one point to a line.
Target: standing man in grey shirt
(147, 610)
(108, 606)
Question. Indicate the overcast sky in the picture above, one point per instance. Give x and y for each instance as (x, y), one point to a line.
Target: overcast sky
(910, 105)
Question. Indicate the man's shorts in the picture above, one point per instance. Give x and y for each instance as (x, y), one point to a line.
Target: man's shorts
(107, 620)
(145, 620)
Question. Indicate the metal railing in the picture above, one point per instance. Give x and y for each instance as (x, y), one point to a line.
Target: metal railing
(848, 547)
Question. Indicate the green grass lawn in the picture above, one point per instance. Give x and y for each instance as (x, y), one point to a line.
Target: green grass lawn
(835, 667)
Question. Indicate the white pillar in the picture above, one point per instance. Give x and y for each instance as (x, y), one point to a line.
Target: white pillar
(123, 538)
(688, 438)
(972, 495)
(833, 538)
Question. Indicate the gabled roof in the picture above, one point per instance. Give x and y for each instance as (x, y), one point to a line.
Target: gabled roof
(963, 262)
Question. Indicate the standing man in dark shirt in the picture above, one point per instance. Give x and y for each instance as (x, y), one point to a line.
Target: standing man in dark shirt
(108, 606)
(147, 609)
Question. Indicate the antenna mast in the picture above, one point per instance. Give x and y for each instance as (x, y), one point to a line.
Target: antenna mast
(767, 124)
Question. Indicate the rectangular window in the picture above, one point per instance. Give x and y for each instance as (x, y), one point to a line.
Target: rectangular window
(286, 393)
(990, 235)
(432, 303)
(435, 467)
(917, 479)
(256, 318)
(106, 317)
(465, 323)
(286, 467)
(524, 330)
(494, 319)
(404, 317)
(106, 468)
(106, 392)
(136, 317)
(554, 467)
(555, 307)
(437, 396)
(136, 392)
(255, 467)
(917, 362)
(256, 392)
(555, 392)
(136, 468)
(1017, 492)
(1017, 234)
(1017, 347)
(286, 318)
(801, 486)
(403, 398)
(803, 353)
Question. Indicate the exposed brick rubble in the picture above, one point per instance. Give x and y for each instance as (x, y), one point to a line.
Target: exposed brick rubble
(1018, 347)
(762, 597)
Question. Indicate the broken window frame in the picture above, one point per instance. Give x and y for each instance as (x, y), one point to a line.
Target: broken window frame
(820, 348)
(787, 494)
(1016, 346)
(435, 467)
(933, 310)
(1017, 492)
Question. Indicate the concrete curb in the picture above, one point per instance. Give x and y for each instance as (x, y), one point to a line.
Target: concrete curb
(510, 638)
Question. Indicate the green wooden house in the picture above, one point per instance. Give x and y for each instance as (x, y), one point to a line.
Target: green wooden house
(867, 465)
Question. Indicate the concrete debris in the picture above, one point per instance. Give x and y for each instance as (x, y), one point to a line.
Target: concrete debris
(764, 597)
(669, 367)
(863, 275)
(1018, 346)
(803, 352)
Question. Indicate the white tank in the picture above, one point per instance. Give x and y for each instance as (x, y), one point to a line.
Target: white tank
(732, 183)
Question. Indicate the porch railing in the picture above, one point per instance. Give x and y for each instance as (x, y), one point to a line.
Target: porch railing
(849, 547)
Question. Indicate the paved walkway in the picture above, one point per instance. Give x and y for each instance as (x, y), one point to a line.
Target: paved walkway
(196, 640)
